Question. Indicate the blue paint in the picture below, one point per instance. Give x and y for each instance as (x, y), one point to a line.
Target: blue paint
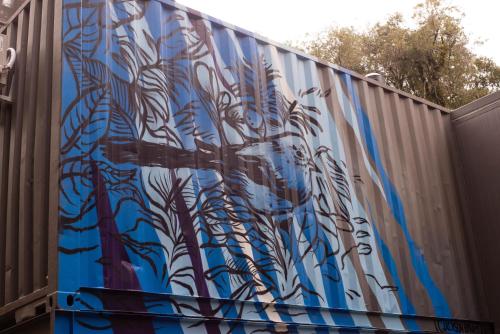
(439, 302)
(242, 67)
(406, 304)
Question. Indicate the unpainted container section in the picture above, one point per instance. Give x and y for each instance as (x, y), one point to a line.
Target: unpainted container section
(477, 132)
(191, 176)
(25, 151)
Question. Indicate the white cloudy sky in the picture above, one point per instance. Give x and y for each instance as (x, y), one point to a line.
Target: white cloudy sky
(283, 20)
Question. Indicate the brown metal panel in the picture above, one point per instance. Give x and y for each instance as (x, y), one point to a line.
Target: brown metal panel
(416, 153)
(476, 131)
(458, 189)
(463, 254)
(420, 175)
(445, 215)
(11, 267)
(376, 104)
(390, 134)
(407, 178)
(382, 109)
(33, 298)
(27, 152)
(4, 152)
(419, 149)
(25, 139)
(41, 149)
(381, 113)
(53, 187)
(428, 193)
(417, 199)
(5, 116)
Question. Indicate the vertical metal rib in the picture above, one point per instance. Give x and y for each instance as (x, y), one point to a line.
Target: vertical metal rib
(42, 144)
(27, 151)
(12, 234)
(5, 114)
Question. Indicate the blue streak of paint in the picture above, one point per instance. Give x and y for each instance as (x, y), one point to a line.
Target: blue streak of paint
(392, 267)
(438, 300)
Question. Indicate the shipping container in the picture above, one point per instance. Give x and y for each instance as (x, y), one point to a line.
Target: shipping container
(29, 158)
(477, 131)
(165, 172)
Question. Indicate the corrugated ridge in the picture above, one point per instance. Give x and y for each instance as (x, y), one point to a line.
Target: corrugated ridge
(24, 158)
(301, 54)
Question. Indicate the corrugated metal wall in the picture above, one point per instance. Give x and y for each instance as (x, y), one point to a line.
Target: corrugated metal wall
(382, 159)
(24, 154)
(206, 163)
(477, 134)
(416, 151)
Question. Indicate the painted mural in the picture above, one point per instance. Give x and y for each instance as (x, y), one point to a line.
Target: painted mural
(206, 174)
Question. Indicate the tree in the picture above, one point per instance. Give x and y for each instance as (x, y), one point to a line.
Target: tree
(342, 46)
(433, 60)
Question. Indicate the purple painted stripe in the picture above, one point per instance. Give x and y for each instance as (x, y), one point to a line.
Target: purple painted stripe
(119, 273)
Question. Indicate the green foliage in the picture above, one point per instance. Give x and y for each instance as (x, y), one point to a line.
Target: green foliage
(432, 60)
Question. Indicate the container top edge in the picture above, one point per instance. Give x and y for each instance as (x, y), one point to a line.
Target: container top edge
(301, 54)
(265, 40)
(473, 106)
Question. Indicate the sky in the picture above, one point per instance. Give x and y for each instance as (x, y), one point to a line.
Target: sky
(290, 20)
